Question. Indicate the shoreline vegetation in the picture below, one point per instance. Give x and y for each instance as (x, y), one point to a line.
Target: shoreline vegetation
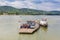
(8, 10)
(25, 14)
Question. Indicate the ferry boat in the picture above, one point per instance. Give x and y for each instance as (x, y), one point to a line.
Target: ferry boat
(43, 22)
(33, 27)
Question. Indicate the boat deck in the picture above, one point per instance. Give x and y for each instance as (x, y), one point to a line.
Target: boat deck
(28, 30)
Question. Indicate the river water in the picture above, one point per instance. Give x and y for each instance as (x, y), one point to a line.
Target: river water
(9, 28)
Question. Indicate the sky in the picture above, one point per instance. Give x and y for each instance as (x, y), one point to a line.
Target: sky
(47, 5)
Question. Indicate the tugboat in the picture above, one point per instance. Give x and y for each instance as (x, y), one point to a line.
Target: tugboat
(44, 22)
(29, 28)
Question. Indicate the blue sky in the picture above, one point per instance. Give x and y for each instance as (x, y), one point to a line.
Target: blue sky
(47, 5)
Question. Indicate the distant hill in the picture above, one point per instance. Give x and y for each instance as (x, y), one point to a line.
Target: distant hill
(8, 9)
(26, 11)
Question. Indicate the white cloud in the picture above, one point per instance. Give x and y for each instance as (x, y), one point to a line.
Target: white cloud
(45, 6)
(17, 4)
(29, 4)
(21, 4)
(2, 3)
(48, 6)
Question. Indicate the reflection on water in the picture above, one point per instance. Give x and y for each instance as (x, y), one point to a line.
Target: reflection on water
(52, 32)
(43, 33)
(9, 28)
(44, 28)
(38, 35)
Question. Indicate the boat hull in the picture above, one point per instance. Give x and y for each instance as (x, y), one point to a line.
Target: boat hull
(45, 25)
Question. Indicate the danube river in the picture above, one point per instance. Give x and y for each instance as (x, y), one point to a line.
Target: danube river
(9, 28)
